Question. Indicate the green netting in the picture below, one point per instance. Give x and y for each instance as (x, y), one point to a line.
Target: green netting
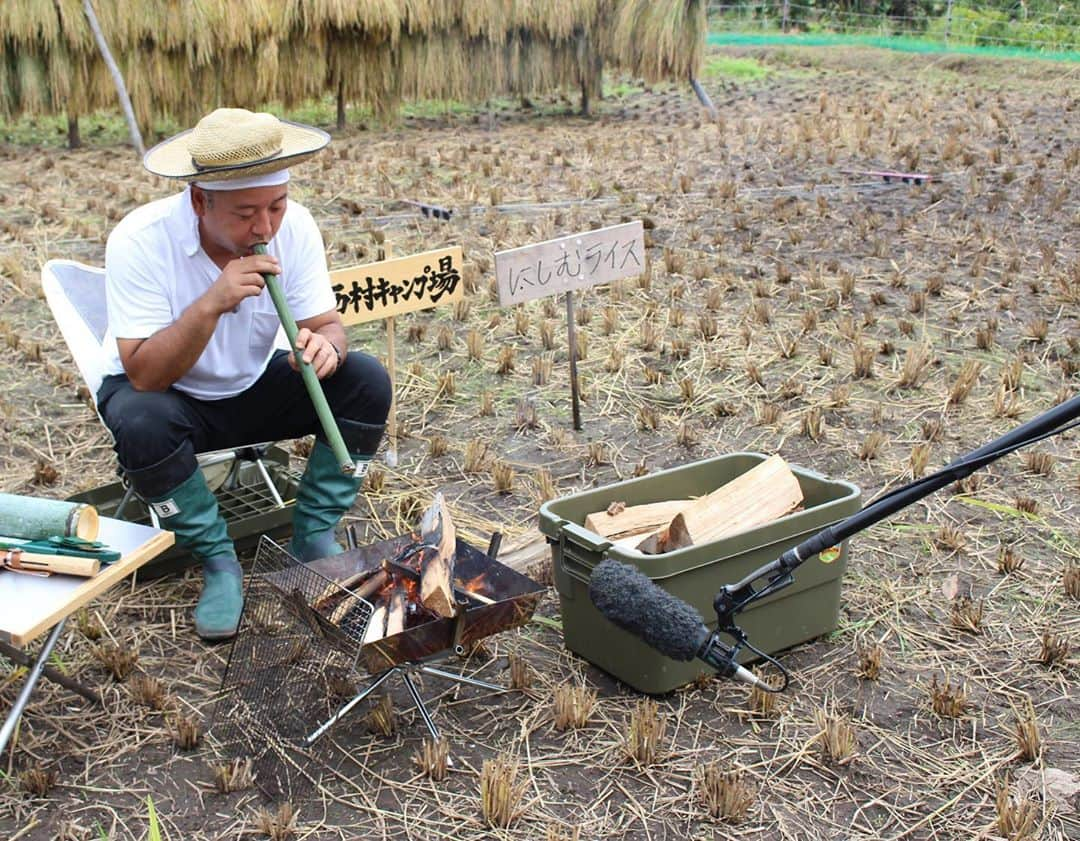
(889, 42)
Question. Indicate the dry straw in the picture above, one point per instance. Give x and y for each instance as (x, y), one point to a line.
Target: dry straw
(279, 824)
(501, 791)
(725, 793)
(837, 735)
(572, 705)
(1017, 818)
(433, 759)
(645, 731)
(177, 58)
(1028, 739)
(233, 776)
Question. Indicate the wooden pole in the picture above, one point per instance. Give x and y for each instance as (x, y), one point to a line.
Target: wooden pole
(948, 21)
(703, 97)
(571, 334)
(74, 139)
(341, 105)
(391, 420)
(785, 14)
(385, 252)
(118, 79)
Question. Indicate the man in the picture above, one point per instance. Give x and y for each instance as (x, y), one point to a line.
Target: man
(194, 366)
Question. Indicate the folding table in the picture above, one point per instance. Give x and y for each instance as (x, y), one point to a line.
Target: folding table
(31, 605)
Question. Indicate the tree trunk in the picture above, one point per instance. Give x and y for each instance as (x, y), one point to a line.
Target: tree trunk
(118, 79)
(74, 139)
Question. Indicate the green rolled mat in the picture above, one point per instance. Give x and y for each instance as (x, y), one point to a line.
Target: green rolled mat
(31, 518)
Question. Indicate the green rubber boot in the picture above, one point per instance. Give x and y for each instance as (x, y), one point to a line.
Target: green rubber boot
(324, 495)
(190, 511)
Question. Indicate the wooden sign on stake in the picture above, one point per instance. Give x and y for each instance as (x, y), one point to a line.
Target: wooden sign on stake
(392, 287)
(565, 265)
(389, 288)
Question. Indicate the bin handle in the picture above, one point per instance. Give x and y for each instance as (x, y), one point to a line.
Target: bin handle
(581, 577)
(590, 539)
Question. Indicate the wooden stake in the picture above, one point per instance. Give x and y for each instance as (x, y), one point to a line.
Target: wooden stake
(571, 334)
(391, 420)
(391, 457)
(437, 568)
(117, 77)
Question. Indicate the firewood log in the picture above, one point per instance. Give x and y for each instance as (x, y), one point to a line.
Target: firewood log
(768, 491)
(376, 628)
(395, 616)
(437, 567)
(634, 519)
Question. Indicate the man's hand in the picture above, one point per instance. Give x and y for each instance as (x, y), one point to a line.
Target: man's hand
(317, 350)
(241, 278)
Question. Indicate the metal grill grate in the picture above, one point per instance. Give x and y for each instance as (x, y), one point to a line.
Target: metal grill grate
(245, 501)
(290, 666)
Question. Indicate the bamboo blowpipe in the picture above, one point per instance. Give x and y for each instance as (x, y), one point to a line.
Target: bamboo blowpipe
(311, 379)
(32, 518)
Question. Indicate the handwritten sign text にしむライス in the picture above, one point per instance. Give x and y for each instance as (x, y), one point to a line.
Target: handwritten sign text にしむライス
(572, 262)
(392, 287)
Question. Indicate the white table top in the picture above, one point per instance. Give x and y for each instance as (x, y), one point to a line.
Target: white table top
(30, 606)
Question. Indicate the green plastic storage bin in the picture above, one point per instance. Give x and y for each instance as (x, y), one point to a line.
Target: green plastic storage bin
(247, 507)
(806, 609)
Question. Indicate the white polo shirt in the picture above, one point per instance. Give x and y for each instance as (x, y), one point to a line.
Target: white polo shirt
(155, 268)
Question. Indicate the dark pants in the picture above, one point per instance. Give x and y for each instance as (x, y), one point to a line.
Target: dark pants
(158, 433)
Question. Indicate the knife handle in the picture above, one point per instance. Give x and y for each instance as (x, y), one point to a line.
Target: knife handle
(63, 564)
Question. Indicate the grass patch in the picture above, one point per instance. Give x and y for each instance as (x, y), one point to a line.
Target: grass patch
(730, 67)
(622, 89)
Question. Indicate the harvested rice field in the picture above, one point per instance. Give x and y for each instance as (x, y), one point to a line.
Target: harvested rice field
(868, 330)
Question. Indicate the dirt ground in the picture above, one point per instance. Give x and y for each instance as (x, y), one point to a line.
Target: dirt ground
(869, 331)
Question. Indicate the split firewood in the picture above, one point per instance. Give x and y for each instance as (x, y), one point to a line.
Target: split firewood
(336, 587)
(629, 520)
(395, 616)
(768, 491)
(437, 567)
(376, 628)
(370, 587)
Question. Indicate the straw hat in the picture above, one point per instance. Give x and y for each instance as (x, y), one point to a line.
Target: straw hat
(234, 143)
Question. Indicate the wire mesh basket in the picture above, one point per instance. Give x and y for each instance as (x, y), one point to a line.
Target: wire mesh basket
(294, 658)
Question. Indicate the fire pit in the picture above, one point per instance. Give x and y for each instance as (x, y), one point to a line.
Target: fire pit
(491, 597)
(300, 663)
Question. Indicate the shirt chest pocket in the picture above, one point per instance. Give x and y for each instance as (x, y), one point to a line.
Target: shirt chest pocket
(264, 330)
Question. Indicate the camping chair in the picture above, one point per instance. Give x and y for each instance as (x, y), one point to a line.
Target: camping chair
(241, 478)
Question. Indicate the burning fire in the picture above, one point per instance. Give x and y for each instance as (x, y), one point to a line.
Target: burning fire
(478, 584)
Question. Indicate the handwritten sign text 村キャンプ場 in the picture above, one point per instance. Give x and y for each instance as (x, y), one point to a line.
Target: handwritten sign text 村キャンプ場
(392, 287)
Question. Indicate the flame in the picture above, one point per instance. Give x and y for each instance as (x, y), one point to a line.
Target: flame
(477, 584)
(409, 585)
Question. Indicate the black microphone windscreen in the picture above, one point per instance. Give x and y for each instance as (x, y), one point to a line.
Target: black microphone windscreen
(634, 603)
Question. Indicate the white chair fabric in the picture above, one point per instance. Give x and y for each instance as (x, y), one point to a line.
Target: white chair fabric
(75, 293)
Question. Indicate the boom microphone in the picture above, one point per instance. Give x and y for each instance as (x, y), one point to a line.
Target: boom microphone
(660, 620)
